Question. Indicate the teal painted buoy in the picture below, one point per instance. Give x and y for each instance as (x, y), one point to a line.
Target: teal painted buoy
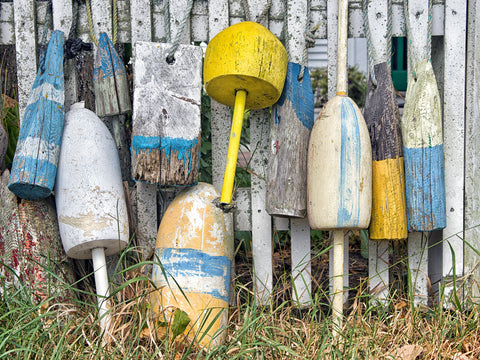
(110, 81)
(35, 163)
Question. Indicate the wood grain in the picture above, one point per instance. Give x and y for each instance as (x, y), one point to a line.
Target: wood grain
(166, 117)
(389, 212)
(35, 163)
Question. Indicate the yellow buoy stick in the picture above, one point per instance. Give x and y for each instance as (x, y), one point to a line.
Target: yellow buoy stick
(233, 145)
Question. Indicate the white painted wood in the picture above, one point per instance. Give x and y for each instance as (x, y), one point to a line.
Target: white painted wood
(378, 258)
(220, 114)
(261, 220)
(102, 18)
(297, 22)
(147, 224)
(177, 13)
(418, 264)
(199, 20)
(453, 138)
(332, 21)
(338, 277)
(417, 23)
(141, 23)
(301, 261)
(378, 276)
(377, 12)
(472, 149)
(25, 45)
(62, 20)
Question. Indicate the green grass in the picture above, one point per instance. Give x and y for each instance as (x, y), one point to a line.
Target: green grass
(280, 330)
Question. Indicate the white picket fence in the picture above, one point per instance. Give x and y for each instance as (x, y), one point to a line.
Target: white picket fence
(455, 55)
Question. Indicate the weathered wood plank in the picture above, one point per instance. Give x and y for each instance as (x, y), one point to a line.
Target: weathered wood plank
(112, 94)
(423, 147)
(147, 223)
(3, 147)
(454, 136)
(472, 149)
(292, 121)
(35, 163)
(26, 49)
(166, 119)
(261, 220)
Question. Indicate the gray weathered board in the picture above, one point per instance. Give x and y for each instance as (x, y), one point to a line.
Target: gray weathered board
(166, 116)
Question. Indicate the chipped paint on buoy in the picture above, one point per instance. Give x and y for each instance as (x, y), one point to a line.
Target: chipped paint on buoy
(194, 252)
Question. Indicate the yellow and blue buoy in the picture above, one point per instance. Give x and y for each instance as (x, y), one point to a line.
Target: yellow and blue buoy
(194, 253)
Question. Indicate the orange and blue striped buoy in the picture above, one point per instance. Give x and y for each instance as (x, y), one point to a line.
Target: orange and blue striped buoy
(194, 253)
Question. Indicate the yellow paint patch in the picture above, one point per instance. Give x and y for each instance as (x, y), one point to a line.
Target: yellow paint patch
(202, 309)
(245, 56)
(389, 212)
(192, 221)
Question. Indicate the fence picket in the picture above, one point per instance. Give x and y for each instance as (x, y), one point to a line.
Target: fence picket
(453, 120)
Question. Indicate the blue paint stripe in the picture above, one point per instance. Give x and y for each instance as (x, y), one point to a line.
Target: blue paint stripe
(196, 265)
(425, 188)
(32, 178)
(110, 63)
(183, 147)
(50, 69)
(44, 120)
(348, 214)
(300, 95)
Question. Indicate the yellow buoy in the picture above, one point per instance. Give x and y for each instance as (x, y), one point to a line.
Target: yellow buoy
(245, 67)
(194, 252)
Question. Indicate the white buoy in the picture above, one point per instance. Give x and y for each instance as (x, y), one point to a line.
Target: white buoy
(91, 208)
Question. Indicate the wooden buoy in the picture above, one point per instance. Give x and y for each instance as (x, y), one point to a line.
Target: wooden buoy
(35, 163)
(339, 169)
(110, 80)
(389, 210)
(92, 212)
(422, 127)
(423, 151)
(195, 250)
(30, 246)
(166, 114)
(292, 120)
(245, 67)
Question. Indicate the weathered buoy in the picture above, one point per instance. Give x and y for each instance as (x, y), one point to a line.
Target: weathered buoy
(389, 208)
(110, 83)
(35, 163)
(422, 133)
(30, 246)
(245, 66)
(292, 120)
(195, 251)
(339, 169)
(166, 122)
(92, 212)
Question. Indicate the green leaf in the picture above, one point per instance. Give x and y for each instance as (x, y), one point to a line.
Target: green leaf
(180, 322)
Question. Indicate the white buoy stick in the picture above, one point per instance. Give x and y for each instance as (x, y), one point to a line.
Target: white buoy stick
(337, 288)
(101, 283)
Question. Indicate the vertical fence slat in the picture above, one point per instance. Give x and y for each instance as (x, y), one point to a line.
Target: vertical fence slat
(297, 22)
(261, 220)
(378, 257)
(472, 149)
(147, 224)
(25, 45)
(453, 135)
(220, 114)
(62, 20)
(418, 13)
